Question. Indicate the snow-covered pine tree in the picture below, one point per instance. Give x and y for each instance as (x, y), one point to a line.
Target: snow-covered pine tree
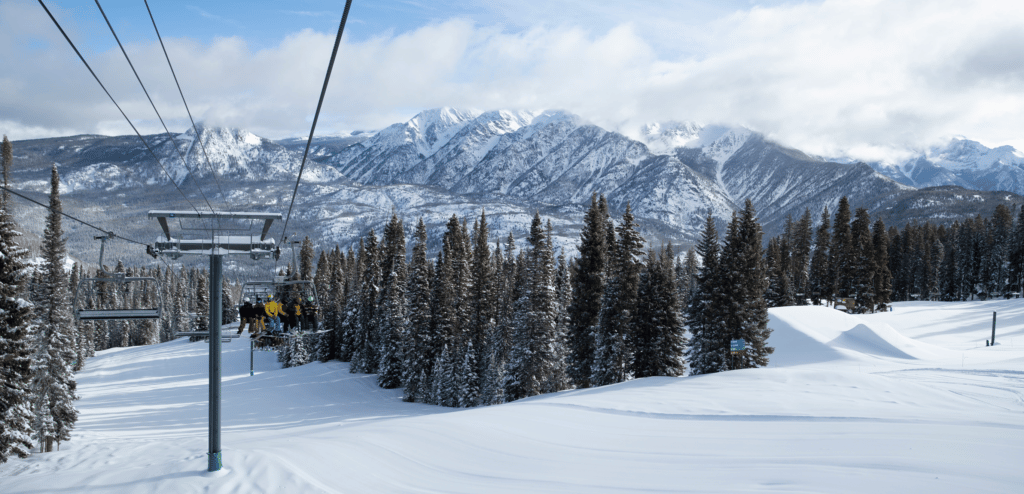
(614, 341)
(862, 272)
(744, 283)
(467, 388)
(365, 356)
(587, 292)
(493, 387)
(393, 318)
(443, 383)
(558, 378)
(686, 279)
(883, 278)
(332, 304)
(15, 344)
(660, 339)
(703, 317)
(228, 313)
(418, 346)
(53, 381)
(351, 312)
(298, 353)
(799, 266)
(841, 255)
(819, 285)
(306, 260)
(482, 302)
(780, 293)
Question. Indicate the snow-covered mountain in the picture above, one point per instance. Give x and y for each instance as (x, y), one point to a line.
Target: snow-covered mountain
(962, 162)
(510, 163)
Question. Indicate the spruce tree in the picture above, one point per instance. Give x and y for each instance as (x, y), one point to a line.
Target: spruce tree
(587, 291)
(53, 381)
(703, 316)
(660, 340)
(306, 260)
(743, 284)
(534, 359)
(366, 331)
(15, 347)
(614, 341)
(801, 258)
(818, 282)
(481, 304)
(883, 278)
(393, 318)
(419, 343)
(841, 254)
(864, 267)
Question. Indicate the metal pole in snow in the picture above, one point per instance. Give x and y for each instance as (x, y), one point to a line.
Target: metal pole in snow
(993, 328)
(215, 461)
(250, 353)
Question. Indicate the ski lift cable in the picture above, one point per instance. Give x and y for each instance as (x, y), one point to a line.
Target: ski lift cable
(158, 116)
(316, 116)
(202, 146)
(82, 58)
(90, 225)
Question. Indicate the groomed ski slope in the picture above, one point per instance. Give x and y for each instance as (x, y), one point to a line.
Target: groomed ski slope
(907, 401)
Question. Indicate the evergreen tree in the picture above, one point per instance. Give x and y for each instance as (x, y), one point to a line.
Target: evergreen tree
(780, 293)
(883, 278)
(614, 341)
(863, 267)
(801, 258)
(743, 285)
(393, 318)
(587, 291)
(841, 254)
(306, 260)
(818, 282)
(15, 314)
(703, 316)
(298, 354)
(660, 338)
(482, 307)
(366, 331)
(53, 381)
(420, 341)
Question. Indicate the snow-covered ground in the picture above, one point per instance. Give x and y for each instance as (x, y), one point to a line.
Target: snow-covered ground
(907, 401)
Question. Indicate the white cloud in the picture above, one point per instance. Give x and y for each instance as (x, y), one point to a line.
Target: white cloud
(870, 78)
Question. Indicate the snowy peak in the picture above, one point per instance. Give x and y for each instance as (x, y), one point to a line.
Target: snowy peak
(965, 154)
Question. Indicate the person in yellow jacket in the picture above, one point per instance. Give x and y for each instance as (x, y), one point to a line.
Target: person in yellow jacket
(273, 310)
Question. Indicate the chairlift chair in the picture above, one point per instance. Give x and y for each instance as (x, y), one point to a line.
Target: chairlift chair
(87, 287)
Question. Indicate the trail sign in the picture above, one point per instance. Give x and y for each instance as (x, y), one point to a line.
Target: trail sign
(737, 346)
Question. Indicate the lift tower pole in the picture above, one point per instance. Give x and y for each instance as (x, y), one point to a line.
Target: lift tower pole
(216, 312)
(215, 246)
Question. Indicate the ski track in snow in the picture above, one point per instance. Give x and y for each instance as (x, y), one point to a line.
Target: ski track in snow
(904, 401)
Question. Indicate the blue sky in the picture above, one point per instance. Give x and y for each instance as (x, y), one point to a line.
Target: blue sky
(871, 79)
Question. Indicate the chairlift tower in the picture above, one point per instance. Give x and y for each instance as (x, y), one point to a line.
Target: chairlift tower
(216, 247)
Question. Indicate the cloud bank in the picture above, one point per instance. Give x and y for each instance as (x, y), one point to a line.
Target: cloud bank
(869, 79)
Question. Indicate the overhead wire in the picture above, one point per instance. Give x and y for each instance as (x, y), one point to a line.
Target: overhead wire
(316, 116)
(202, 146)
(158, 116)
(150, 149)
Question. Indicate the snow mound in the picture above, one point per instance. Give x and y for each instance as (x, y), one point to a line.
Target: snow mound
(865, 339)
(807, 335)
